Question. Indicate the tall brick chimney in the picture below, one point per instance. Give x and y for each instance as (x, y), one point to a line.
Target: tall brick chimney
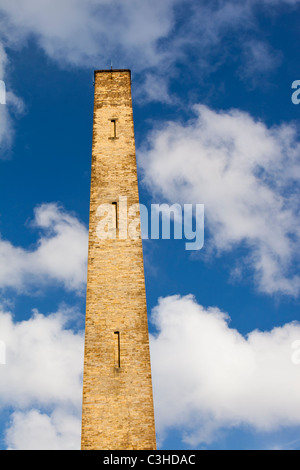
(117, 412)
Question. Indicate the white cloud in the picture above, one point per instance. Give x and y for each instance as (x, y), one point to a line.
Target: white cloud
(10, 106)
(82, 32)
(94, 33)
(6, 131)
(155, 88)
(150, 36)
(43, 361)
(5, 119)
(41, 381)
(33, 430)
(131, 33)
(3, 62)
(207, 377)
(260, 61)
(245, 174)
(60, 255)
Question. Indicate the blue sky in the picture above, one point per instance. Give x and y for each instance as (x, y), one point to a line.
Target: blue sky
(215, 125)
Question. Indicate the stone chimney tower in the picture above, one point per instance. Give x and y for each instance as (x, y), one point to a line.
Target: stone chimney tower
(117, 409)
